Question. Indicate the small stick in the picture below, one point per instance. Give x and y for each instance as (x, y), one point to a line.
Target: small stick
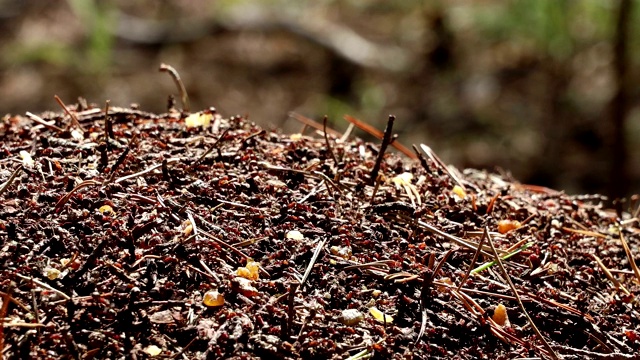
(246, 140)
(489, 264)
(204, 273)
(436, 160)
(452, 238)
(515, 292)
(119, 162)
(34, 302)
(560, 305)
(290, 309)
(144, 172)
(108, 125)
(313, 192)
(48, 287)
(473, 262)
(596, 355)
(193, 223)
(312, 123)
(386, 140)
(89, 262)
(492, 203)
(3, 313)
(176, 78)
(209, 271)
(181, 352)
(66, 198)
(316, 253)
(232, 248)
(636, 212)
(326, 139)
(242, 206)
(606, 271)
(584, 232)
(377, 133)
(42, 122)
(8, 183)
(632, 262)
(347, 133)
(74, 118)
(16, 301)
(213, 146)
(376, 186)
(165, 171)
(423, 161)
(373, 263)
(25, 325)
(480, 292)
(317, 174)
(427, 281)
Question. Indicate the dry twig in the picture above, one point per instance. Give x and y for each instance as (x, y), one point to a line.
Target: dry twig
(515, 292)
(176, 79)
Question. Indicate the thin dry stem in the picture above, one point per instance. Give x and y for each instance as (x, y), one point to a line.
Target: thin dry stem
(326, 140)
(458, 241)
(632, 262)
(347, 133)
(209, 271)
(66, 198)
(473, 262)
(48, 287)
(436, 160)
(108, 125)
(145, 171)
(314, 124)
(423, 161)
(8, 183)
(74, 118)
(117, 164)
(176, 79)
(44, 123)
(386, 140)
(210, 149)
(424, 293)
(3, 313)
(515, 292)
(316, 253)
(379, 134)
(376, 187)
(609, 275)
(584, 232)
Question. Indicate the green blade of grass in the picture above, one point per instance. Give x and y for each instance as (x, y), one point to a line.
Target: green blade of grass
(489, 264)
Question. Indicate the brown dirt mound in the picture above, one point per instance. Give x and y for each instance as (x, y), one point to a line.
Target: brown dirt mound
(136, 241)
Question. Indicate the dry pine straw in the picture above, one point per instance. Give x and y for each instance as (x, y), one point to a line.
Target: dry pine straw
(111, 237)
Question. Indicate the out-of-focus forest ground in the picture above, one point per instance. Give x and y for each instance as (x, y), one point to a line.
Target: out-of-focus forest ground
(531, 87)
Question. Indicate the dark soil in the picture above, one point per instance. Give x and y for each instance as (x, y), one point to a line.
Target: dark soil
(110, 240)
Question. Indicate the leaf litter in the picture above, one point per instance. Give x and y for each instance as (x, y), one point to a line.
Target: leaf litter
(217, 239)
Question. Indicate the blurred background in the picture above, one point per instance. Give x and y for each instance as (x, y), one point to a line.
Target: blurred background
(546, 90)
